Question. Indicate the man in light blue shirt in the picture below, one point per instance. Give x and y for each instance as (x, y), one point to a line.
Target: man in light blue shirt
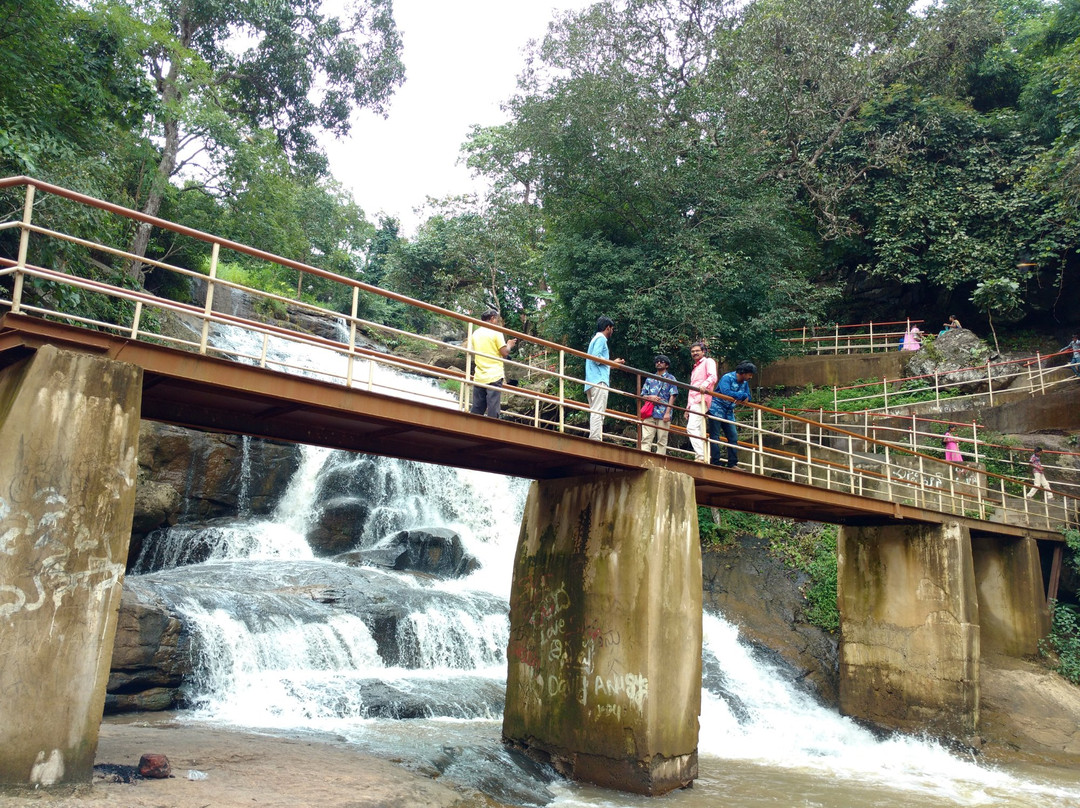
(598, 376)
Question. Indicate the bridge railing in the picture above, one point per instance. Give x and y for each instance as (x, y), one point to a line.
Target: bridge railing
(852, 338)
(355, 354)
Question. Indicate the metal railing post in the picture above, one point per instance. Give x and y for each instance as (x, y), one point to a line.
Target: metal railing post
(24, 247)
(975, 442)
(136, 319)
(885, 392)
(760, 442)
(352, 337)
(562, 390)
(871, 336)
(888, 475)
(937, 390)
(209, 307)
(468, 368)
(989, 383)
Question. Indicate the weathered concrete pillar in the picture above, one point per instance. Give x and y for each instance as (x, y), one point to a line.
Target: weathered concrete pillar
(604, 675)
(1013, 615)
(69, 427)
(909, 616)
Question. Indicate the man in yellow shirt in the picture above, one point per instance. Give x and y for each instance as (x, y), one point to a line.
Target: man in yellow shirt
(489, 347)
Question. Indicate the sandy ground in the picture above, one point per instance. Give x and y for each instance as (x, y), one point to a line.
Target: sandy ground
(243, 769)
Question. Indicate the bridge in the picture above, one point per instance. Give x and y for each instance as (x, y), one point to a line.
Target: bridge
(922, 537)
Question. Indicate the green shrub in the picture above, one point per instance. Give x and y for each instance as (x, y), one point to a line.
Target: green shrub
(1064, 641)
(821, 609)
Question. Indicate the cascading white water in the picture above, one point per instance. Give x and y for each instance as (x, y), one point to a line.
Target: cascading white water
(279, 649)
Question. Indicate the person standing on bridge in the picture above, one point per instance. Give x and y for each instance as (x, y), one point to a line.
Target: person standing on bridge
(489, 347)
(661, 391)
(1038, 476)
(598, 376)
(703, 378)
(733, 387)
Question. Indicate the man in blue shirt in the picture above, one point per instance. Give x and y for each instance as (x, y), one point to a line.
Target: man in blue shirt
(733, 387)
(598, 376)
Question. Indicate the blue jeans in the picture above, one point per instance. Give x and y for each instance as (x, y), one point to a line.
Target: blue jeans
(1075, 363)
(716, 425)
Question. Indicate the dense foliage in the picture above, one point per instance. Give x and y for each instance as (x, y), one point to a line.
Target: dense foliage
(695, 169)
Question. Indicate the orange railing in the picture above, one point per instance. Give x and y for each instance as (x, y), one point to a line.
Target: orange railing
(549, 395)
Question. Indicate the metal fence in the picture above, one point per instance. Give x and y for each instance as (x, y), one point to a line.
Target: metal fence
(548, 395)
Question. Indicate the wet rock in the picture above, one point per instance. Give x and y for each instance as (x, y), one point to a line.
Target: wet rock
(340, 526)
(433, 551)
(151, 654)
(186, 475)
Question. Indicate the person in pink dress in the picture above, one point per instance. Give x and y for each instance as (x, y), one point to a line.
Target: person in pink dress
(952, 448)
(912, 339)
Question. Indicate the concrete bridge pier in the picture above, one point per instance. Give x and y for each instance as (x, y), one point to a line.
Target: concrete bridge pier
(1013, 613)
(909, 616)
(604, 657)
(69, 428)
(919, 606)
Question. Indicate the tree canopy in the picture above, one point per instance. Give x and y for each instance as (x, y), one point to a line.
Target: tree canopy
(694, 169)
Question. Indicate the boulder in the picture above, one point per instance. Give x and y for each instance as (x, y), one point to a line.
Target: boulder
(339, 526)
(435, 551)
(959, 358)
(210, 475)
(151, 654)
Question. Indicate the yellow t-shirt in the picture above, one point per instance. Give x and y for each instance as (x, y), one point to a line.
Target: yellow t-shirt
(487, 360)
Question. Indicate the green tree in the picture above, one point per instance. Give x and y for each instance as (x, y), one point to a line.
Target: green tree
(223, 71)
(652, 211)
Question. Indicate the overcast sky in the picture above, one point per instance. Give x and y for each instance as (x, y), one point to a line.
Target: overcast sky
(462, 59)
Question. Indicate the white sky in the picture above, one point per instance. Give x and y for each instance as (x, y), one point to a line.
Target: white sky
(462, 59)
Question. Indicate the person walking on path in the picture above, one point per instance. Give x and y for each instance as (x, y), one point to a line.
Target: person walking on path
(489, 348)
(598, 376)
(952, 448)
(1074, 346)
(702, 380)
(1038, 476)
(733, 387)
(661, 391)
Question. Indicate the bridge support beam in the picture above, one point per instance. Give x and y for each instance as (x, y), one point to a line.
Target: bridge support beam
(69, 428)
(604, 672)
(909, 615)
(1013, 614)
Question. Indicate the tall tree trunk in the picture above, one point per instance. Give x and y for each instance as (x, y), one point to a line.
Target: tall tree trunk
(171, 97)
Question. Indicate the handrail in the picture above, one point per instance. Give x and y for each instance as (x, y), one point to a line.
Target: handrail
(882, 469)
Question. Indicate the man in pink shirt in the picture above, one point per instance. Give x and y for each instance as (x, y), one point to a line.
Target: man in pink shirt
(702, 381)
